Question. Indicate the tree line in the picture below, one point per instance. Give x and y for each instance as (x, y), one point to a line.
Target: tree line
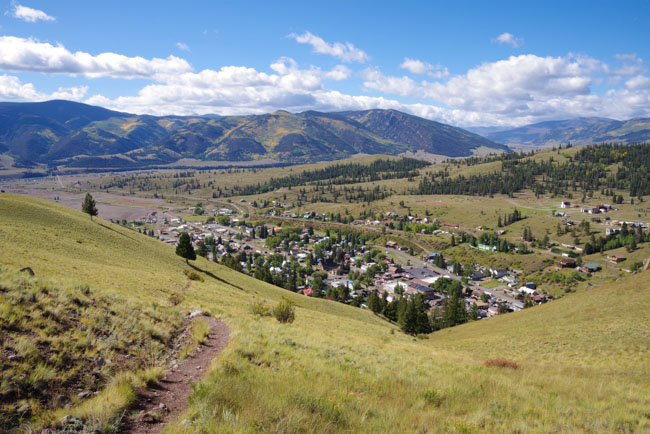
(588, 171)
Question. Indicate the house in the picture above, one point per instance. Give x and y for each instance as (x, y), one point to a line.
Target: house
(477, 275)
(617, 258)
(486, 247)
(345, 282)
(592, 267)
(567, 263)
(527, 290)
(612, 231)
(531, 285)
(327, 265)
(417, 288)
(392, 244)
(432, 257)
(498, 273)
(565, 205)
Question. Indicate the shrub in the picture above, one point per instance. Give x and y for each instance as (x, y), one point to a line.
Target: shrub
(432, 397)
(501, 363)
(176, 299)
(284, 311)
(193, 275)
(258, 308)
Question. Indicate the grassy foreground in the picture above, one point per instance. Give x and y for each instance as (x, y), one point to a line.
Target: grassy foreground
(582, 362)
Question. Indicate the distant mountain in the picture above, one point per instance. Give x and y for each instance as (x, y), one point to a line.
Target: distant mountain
(580, 131)
(79, 135)
(421, 134)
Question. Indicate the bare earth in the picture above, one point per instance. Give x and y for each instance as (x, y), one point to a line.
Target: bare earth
(168, 399)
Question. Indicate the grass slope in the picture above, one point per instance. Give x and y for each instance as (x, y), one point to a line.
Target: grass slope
(582, 360)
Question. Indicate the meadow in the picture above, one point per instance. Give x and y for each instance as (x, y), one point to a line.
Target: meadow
(576, 364)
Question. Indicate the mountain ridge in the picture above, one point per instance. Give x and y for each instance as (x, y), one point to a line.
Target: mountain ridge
(65, 133)
(580, 131)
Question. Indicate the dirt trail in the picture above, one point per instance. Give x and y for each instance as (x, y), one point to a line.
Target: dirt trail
(168, 399)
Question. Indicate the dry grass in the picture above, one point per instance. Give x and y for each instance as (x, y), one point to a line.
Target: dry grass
(582, 359)
(501, 363)
(199, 333)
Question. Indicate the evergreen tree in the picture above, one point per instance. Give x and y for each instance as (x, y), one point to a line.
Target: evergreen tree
(201, 249)
(184, 248)
(422, 319)
(88, 206)
(374, 303)
(473, 312)
(409, 320)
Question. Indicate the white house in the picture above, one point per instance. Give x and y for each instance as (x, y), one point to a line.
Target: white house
(565, 204)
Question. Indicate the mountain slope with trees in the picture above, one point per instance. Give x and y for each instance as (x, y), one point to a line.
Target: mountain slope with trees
(578, 131)
(64, 133)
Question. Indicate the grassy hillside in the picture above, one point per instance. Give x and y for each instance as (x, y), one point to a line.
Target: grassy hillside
(582, 361)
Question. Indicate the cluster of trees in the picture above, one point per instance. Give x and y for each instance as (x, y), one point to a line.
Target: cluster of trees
(340, 174)
(587, 171)
(490, 239)
(511, 218)
(626, 238)
(412, 312)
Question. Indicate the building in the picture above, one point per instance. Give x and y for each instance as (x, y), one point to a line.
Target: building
(612, 231)
(617, 258)
(567, 263)
(565, 205)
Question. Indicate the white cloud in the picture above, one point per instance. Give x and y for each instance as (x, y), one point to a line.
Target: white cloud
(419, 67)
(182, 46)
(12, 88)
(516, 89)
(508, 38)
(375, 80)
(344, 51)
(28, 14)
(30, 55)
(513, 91)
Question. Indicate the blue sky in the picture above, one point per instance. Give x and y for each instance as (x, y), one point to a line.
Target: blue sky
(465, 63)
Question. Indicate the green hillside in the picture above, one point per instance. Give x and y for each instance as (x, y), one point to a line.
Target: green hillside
(70, 134)
(582, 360)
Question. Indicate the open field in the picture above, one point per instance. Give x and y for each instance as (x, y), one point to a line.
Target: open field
(341, 368)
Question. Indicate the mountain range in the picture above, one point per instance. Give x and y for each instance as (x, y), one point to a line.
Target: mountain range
(578, 131)
(65, 133)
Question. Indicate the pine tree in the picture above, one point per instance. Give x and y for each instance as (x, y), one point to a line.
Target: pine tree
(201, 249)
(184, 248)
(89, 206)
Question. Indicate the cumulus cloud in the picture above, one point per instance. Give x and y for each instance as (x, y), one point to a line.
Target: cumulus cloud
(182, 46)
(30, 55)
(508, 38)
(13, 89)
(517, 89)
(341, 50)
(419, 67)
(29, 14)
(514, 91)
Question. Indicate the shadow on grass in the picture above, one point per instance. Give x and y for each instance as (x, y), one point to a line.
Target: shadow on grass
(117, 232)
(215, 277)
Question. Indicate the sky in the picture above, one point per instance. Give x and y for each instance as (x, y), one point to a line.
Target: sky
(465, 63)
